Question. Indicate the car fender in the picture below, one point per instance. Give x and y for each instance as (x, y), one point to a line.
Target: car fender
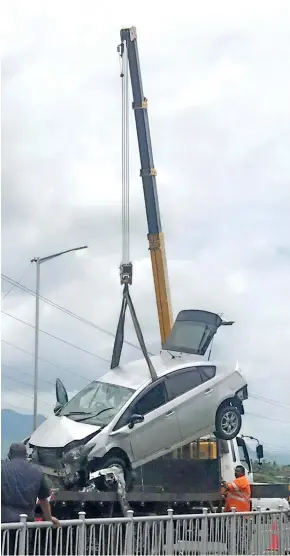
(233, 400)
(101, 448)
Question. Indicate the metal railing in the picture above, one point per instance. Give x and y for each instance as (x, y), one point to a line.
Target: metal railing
(261, 532)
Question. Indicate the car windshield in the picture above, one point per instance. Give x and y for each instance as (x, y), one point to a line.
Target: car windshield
(97, 404)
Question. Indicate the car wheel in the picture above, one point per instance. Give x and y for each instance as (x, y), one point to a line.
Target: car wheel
(228, 422)
(118, 461)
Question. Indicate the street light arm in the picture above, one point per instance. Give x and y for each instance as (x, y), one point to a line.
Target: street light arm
(49, 257)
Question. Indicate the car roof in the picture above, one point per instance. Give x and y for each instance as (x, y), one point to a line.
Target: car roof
(136, 373)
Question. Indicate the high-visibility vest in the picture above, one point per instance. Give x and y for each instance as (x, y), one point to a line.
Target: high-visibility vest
(239, 495)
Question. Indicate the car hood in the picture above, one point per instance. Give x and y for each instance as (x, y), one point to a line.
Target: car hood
(57, 432)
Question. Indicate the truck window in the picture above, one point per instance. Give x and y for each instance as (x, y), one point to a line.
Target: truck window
(244, 456)
(233, 451)
(197, 450)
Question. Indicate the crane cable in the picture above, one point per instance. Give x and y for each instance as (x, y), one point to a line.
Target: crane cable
(126, 266)
(125, 155)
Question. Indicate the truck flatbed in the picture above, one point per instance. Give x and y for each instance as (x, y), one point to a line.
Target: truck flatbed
(174, 481)
(146, 495)
(137, 496)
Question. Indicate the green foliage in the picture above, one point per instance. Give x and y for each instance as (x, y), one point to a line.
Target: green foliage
(271, 472)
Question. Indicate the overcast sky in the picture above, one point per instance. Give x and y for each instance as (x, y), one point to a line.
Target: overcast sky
(217, 78)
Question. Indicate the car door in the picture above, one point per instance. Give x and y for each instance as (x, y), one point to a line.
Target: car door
(193, 392)
(160, 429)
(61, 393)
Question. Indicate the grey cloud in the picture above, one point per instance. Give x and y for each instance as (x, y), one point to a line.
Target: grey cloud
(218, 91)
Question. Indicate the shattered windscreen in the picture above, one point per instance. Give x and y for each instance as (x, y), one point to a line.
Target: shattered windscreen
(97, 404)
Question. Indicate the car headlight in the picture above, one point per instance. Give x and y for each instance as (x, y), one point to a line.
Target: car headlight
(72, 455)
(76, 453)
(242, 394)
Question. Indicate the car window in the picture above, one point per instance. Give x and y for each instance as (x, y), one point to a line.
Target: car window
(183, 381)
(151, 400)
(207, 372)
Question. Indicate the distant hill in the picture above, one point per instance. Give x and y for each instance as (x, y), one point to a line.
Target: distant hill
(15, 427)
(282, 458)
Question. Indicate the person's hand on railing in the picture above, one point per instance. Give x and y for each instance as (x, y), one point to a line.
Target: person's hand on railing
(55, 522)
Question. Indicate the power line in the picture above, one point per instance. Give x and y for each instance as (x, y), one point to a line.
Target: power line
(24, 373)
(24, 383)
(56, 337)
(25, 395)
(66, 311)
(45, 360)
(16, 282)
(16, 407)
(277, 447)
(268, 418)
(270, 401)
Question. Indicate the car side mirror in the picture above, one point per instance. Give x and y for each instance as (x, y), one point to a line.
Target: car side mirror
(260, 452)
(57, 408)
(135, 418)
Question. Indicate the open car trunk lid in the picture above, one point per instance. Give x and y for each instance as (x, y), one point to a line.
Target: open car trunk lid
(193, 331)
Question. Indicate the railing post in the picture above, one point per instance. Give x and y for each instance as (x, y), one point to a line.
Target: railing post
(129, 538)
(281, 531)
(259, 535)
(22, 535)
(169, 533)
(204, 531)
(82, 534)
(233, 531)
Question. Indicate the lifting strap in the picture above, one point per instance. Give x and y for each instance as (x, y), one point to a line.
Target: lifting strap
(119, 338)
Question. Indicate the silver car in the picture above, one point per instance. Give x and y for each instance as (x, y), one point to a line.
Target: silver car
(126, 419)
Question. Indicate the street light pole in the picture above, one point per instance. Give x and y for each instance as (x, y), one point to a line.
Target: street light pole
(36, 343)
(38, 262)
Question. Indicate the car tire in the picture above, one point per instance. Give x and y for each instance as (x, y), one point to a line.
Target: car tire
(111, 461)
(228, 422)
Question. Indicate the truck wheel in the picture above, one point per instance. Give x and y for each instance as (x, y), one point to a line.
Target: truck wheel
(112, 461)
(228, 422)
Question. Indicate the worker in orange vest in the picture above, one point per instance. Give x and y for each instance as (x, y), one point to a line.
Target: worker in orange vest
(238, 493)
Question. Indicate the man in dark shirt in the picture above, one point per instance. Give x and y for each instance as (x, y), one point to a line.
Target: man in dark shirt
(22, 483)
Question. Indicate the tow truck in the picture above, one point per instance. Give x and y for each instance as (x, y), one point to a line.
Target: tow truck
(189, 478)
(187, 481)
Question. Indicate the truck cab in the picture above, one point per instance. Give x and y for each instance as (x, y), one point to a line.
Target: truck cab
(232, 453)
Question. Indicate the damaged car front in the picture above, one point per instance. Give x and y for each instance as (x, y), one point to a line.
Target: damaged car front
(65, 467)
(72, 443)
